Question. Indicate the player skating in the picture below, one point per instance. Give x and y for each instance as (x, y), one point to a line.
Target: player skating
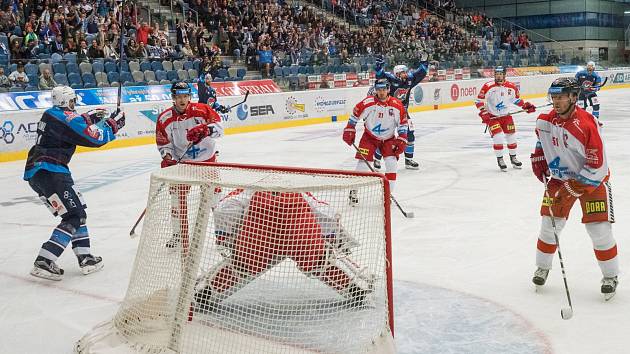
(60, 130)
(257, 230)
(385, 121)
(185, 132)
(494, 102)
(208, 95)
(402, 81)
(589, 81)
(570, 150)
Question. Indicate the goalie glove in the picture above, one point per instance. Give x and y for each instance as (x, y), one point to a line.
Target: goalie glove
(379, 63)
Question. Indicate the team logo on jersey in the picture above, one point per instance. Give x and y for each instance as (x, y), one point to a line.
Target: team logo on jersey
(401, 93)
(93, 131)
(591, 156)
(595, 206)
(391, 112)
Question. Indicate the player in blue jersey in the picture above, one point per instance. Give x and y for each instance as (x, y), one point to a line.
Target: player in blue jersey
(59, 132)
(208, 95)
(589, 80)
(401, 82)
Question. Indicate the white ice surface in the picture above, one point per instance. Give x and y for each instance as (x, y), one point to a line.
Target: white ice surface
(462, 267)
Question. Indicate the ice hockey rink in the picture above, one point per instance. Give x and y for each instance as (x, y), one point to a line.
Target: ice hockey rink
(462, 267)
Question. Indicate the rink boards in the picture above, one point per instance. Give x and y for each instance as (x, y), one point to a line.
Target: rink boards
(20, 112)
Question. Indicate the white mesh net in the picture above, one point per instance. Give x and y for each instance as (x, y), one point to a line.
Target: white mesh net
(238, 259)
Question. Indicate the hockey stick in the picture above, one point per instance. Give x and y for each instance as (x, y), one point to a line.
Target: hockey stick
(120, 48)
(566, 312)
(513, 113)
(407, 214)
(132, 233)
(243, 101)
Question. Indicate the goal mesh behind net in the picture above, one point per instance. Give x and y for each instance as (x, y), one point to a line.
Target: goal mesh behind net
(251, 259)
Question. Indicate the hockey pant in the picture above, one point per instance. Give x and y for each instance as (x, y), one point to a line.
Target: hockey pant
(503, 129)
(63, 199)
(271, 228)
(368, 147)
(597, 217)
(409, 151)
(591, 100)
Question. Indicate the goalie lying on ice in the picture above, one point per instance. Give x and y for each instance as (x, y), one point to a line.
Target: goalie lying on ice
(257, 230)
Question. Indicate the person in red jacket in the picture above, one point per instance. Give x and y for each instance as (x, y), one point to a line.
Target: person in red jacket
(185, 132)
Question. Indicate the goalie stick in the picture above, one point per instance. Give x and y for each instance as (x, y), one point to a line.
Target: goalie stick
(407, 214)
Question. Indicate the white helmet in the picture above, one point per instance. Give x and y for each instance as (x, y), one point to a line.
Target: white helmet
(590, 63)
(62, 95)
(400, 68)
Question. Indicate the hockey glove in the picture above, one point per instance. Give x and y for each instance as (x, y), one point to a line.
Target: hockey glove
(349, 134)
(528, 107)
(116, 120)
(398, 145)
(94, 116)
(486, 116)
(198, 133)
(539, 165)
(379, 63)
(167, 161)
(224, 109)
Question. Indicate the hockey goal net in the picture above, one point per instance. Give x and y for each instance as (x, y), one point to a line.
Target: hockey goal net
(257, 259)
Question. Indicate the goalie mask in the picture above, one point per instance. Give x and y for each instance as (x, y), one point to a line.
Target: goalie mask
(63, 96)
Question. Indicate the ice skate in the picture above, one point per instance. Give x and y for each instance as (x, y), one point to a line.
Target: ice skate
(540, 277)
(353, 199)
(410, 164)
(501, 164)
(609, 287)
(515, 163)
(377, 164)
(46, 269)
(90, 264)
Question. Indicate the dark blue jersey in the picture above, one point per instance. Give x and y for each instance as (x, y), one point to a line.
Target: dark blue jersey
(589, 82)
(59, 132)
(208, 95)
(399, 88)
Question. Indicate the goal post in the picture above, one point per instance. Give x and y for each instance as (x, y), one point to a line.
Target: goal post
(240, 258)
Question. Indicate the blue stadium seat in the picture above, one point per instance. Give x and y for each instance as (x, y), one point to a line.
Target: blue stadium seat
(70, 57)
(75, 79)
(145, 65)
(188, 65)
(56, 57)
(72, 68)
(155, 66)
(61, 79)
(197, 65)
(88, 78)
(30, 69)
(240, 73)
(277, 71)
(98, 67)
(126, 77)
(110, 67)
(125, 66)
(294, 70)
(59, 68)
(172, 75)
(33, 80)
(89, 85)
(286, 71)
(160, 75)
(113, 76)
(222, 73)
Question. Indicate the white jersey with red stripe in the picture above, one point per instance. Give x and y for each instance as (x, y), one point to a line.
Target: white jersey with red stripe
(383, 120)
(172, 127)
(573, 147)
(498, 99)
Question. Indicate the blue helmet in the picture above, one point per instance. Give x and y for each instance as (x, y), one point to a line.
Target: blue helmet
(381, 83)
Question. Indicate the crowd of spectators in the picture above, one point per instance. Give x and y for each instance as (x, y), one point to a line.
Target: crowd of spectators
(261, 34)
(511, 42)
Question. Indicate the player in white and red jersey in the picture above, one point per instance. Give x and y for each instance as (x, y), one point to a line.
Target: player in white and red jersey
(494, 102)
(571, 151)
(185, 132)
(256, 230)
(385, 121)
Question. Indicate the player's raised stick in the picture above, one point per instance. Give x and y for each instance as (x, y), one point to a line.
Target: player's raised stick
(407, 214)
